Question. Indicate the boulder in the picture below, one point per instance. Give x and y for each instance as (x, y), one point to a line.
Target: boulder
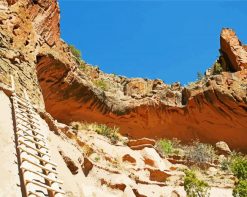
(222, 148)
(159, 162)
(137, 86)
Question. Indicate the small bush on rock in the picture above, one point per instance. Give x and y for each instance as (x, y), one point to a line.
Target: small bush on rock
(111, 133)
(239, 167)
(225, 164)
(193, 186)
(100, 83)
(217, 68)
(75, 52)
(241, 189)
(167, 147)
(199, 76)
(200, 153)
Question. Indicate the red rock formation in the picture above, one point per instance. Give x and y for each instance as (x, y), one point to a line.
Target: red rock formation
(211, 111)
(11, 2)
(158, 175)
(129, 159)
(87, 166)
(69, 163)
(233, 49)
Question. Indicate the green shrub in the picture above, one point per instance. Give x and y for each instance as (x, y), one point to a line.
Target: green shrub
(199, 76)
(239, 167)
(166, 146)
(200, 152)
(75, 52)
(100, 83)
(217, 68)
(225, 164)
(111, 133)
(97, 158)
(241, 189)
(193, 186)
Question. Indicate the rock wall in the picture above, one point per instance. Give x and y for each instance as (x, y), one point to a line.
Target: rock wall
(233, 50)
(212, 109)
(27, 29)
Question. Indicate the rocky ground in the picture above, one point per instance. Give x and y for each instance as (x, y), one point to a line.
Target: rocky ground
(133, 167)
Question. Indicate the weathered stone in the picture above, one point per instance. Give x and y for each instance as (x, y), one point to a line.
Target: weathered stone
(129, 159)
(137, 194)
(233, 50)
(149, 161)
(175, 194)
(158, 175)
(152, 154)
(69, 162)
(222, 148)
(119, 186)
(87, 166)
(142, 146)
(128, 192)
(137, 87)
(141, 141)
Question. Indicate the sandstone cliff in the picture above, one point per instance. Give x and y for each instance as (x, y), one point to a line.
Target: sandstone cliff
(211, 109)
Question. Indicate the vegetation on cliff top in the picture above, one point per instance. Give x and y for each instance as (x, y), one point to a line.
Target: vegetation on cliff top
(76, 52)
(110, 132)
(193, 186)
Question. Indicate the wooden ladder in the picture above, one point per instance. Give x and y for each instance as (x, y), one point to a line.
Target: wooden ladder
(37, 171)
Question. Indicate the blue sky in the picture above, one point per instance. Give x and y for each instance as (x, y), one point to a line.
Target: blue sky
(170, 40)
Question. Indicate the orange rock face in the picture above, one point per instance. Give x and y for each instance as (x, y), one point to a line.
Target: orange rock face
(212, 110)
(233, 49)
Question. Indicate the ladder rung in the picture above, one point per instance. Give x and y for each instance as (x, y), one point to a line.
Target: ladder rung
(29, 146)
(33, 141)
(23, 102)
(30, 135)
(33, 193)
(28, 115)
(25, 105)
(42, 175)
(45, 186)
(27, 121)
(32, 129)
(40, 166)
(22, 110)
(21, 107)
(19, 98)
(27, 126)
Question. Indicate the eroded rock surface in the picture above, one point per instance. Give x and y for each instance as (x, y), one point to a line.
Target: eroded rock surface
(31, 50)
